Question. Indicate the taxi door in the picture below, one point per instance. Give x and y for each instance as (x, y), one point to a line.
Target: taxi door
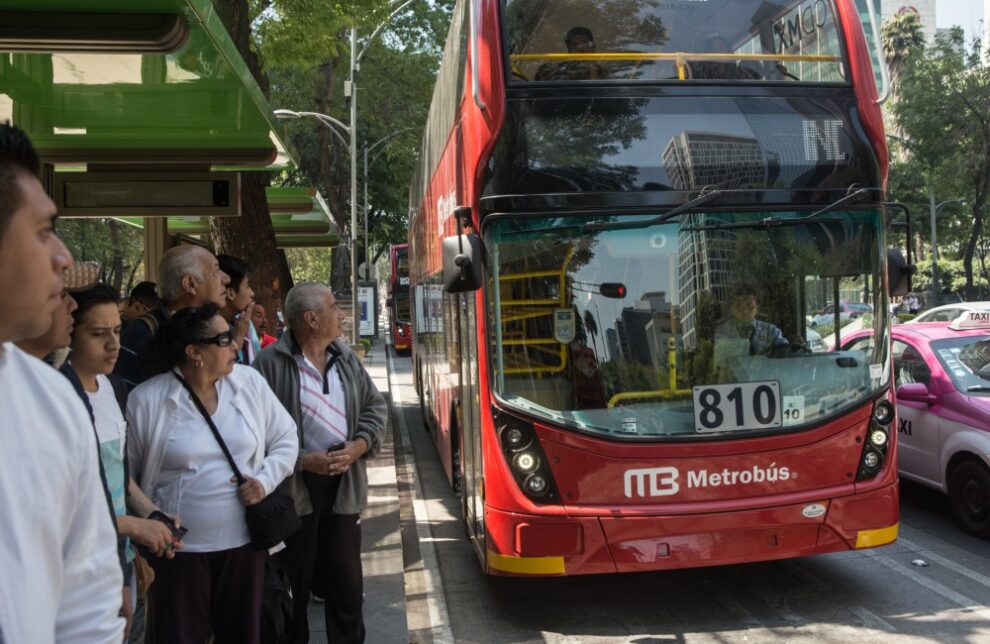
(918, 422)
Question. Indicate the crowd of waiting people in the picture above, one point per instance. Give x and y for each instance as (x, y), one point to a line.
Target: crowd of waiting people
(123, 421)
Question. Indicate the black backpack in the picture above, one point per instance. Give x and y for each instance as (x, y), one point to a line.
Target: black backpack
(276, 603)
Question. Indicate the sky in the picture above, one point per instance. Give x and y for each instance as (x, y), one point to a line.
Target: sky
(965, 13)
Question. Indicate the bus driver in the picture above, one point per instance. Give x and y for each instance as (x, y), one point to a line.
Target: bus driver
(742, 334)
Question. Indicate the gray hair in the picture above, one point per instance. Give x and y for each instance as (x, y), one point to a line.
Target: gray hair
(176, 263)
(305, 296)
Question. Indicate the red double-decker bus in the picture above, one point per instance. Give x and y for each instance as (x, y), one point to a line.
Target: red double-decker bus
(625, 217)
(398, 298)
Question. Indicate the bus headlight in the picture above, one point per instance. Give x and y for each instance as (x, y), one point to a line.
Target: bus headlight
(526, 462)
(536, 484)
(877, 440)
(525, 457)
(883, 412)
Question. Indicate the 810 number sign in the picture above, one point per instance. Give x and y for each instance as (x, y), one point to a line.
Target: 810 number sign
(737, 407)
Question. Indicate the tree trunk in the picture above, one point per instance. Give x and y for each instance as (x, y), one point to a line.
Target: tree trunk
(117, 270)
(251, 236)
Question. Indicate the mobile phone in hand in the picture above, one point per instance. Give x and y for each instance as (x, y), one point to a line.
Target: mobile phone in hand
(177, 533)
(336, 448)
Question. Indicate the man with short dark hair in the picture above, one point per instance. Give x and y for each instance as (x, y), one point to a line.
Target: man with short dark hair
(141, 300)
(239, 308)
(61, 579)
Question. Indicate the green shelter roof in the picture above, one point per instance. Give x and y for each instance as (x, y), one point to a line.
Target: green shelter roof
(103, 91)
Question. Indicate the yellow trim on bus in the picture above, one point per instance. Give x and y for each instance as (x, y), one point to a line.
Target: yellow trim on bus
(873, 538)
(526, 565)
(675, 56)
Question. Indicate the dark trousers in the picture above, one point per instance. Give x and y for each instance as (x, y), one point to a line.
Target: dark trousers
(337, 539)
(202, 592)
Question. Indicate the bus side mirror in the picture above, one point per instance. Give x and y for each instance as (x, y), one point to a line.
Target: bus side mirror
(899, 272)
(461, 263)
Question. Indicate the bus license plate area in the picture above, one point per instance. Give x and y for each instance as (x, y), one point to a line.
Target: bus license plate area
(737, 407)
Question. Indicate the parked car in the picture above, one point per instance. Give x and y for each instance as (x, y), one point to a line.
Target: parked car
(846, 310)
(942, 380)
(948, 312)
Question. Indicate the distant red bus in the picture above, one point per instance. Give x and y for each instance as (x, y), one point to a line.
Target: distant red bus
(398, 298)
(625, 216)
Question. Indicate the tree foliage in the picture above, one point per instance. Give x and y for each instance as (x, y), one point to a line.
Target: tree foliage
(943, 110)
(305, 44)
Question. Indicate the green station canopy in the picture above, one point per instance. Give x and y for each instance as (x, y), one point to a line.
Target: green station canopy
(133, 81)
(300, 216)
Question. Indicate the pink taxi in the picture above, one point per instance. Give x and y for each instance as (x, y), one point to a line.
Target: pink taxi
(942, 375)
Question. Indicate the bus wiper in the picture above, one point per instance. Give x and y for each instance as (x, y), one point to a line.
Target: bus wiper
(702, 198)
(772, 222)
(596, 226)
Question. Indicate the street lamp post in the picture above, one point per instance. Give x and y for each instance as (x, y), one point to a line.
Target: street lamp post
(368, 148)
(934, 210)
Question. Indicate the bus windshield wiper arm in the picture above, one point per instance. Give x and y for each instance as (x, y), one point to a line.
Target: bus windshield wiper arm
(770, 222)
(702, 198)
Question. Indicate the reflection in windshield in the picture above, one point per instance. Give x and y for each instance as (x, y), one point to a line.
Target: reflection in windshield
(967, 361)
(742, 40)
(614, 331)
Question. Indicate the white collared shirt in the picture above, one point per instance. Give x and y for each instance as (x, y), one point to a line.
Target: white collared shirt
(61, 576)
(324, 412)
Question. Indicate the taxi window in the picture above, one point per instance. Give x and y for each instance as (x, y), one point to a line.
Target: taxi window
(863, 344)
(909, 365)
(944, 316)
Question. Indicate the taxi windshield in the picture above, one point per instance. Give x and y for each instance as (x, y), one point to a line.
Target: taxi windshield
(967, 361)
(693, 327)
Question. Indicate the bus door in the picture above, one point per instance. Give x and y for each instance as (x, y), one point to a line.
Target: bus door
(470, 420)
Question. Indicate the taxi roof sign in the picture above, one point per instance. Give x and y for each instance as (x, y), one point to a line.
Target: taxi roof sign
(971, 320)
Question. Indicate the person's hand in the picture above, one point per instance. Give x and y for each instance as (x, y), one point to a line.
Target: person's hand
(127, 612)
(251, 491)
(316, 463)
(150, 533)
(340, 460)
(240, 330)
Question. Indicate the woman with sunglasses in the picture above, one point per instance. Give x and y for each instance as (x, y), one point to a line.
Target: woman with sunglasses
(215, 583)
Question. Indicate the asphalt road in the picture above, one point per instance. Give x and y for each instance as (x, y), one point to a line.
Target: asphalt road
(877, 595)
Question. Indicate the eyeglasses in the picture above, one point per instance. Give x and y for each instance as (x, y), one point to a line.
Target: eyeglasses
(224, 339)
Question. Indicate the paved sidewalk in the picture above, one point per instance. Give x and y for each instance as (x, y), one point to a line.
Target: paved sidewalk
(381, 542)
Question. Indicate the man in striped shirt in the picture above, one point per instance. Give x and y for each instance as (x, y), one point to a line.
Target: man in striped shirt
(341, 419)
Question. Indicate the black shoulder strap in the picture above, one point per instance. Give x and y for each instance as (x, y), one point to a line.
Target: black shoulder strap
(216, 433)
(120, 391)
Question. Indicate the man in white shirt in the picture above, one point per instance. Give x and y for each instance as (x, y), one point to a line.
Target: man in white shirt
(58, 552)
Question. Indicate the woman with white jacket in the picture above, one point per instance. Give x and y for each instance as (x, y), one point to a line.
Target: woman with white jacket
(215, 583)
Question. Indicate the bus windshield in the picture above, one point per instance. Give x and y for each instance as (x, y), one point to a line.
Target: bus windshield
(622, 40)
(400, 297)
(708, 324)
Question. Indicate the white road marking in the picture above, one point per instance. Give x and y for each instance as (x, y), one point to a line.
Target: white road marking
(436, 598)
(945, 562)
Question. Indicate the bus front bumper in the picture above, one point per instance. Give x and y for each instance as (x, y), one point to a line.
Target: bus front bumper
(531, 545)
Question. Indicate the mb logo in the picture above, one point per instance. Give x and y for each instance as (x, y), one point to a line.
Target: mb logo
(656, 481)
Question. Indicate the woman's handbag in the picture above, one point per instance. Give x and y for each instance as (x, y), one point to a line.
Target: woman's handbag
(273, 519)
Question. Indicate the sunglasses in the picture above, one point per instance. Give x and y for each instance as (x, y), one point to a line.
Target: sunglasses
(224, 339)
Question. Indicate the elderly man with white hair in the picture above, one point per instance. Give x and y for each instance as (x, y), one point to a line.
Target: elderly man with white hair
(187, 276)
(340, 417)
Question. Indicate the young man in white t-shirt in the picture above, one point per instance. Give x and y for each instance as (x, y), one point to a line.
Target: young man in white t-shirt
(61, 579)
